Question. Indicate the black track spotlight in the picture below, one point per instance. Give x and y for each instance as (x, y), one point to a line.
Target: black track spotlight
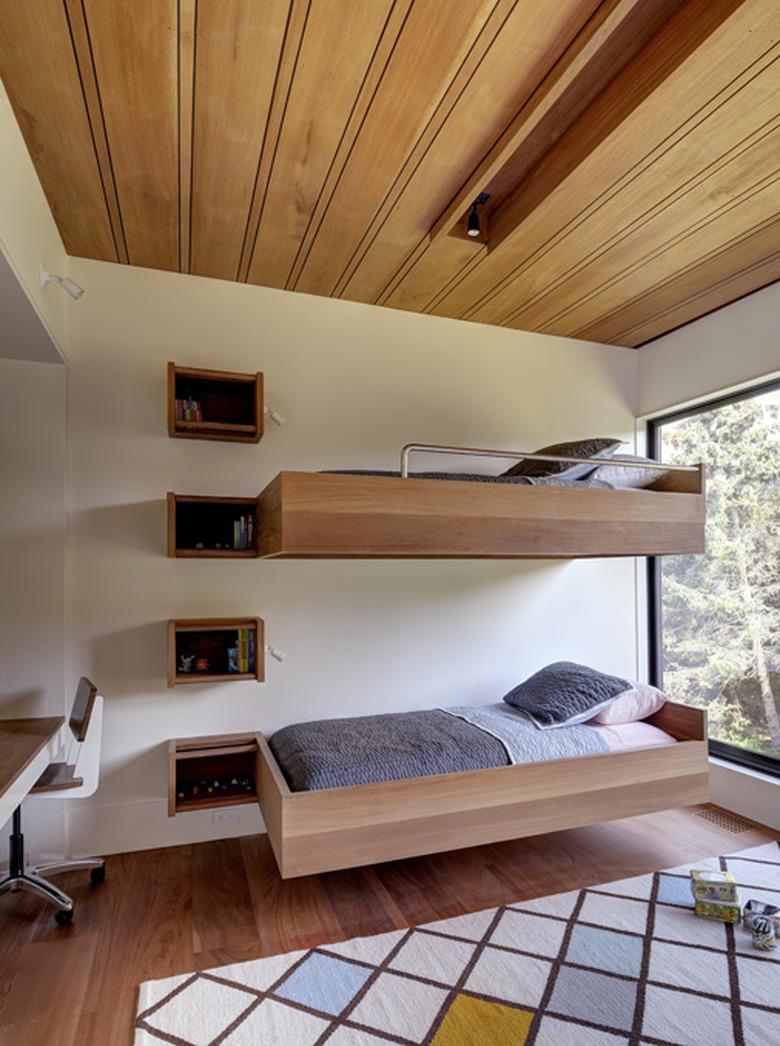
(473, 226)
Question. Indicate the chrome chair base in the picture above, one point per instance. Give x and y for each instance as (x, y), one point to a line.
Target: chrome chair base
(18, 878)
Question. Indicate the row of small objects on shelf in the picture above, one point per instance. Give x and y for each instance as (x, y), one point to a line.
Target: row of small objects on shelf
(243, 536)
(716, 896)
(188, 409)
(209, 789)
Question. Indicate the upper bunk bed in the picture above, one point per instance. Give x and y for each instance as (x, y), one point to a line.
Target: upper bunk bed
(322, 515)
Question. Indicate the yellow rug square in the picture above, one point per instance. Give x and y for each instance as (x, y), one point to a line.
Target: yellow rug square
(474, 1022)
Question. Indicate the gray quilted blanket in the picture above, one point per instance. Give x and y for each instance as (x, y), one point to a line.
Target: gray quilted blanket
(526, 743)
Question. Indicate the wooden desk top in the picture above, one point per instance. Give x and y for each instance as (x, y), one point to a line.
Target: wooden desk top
(20, 741)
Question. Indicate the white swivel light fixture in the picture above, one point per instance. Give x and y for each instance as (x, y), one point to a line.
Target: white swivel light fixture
(69, 286)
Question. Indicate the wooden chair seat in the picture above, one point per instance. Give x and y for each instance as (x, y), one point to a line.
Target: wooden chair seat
(56, 777)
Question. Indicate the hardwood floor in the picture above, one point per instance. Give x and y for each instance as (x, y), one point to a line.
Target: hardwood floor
(162, 912)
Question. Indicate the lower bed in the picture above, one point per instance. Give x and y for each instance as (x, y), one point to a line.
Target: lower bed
(327, 828)
(337, 753)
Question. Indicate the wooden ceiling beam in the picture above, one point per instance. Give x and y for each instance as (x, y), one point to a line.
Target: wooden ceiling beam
(614, 107)
(586, 189)
(607, 43)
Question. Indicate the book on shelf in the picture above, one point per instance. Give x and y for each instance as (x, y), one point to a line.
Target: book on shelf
(244, 533)
(243, 650)
(241, 657)
(188, 409)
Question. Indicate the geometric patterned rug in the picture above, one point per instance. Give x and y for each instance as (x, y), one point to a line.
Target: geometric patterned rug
(621, 963)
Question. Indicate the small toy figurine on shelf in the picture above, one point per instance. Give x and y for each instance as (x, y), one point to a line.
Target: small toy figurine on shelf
(202, 664)
(185, 663)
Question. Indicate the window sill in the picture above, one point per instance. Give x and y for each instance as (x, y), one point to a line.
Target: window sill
(743, 790)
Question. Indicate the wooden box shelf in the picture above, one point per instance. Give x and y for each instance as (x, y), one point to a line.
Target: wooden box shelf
(211, 640)
(205, 772)
(203, 527)
(228, 406)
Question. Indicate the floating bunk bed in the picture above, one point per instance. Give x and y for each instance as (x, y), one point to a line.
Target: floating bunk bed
(324, 829)
(439, 515)
(342, 823)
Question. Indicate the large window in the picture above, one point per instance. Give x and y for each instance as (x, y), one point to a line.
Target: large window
(715, 619)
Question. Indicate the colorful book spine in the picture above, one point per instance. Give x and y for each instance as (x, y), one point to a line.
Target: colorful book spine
(243, 650)
(252, 654)
(188, 409)
(244, 533)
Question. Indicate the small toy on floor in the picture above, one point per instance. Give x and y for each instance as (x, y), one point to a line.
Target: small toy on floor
(755, 908)
(714, 886)
(764, 933)
(722, 911)
(716, 895)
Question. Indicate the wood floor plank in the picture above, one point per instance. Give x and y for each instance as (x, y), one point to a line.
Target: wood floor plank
(223, 914)
(289, 914)
(144, 915)
(171, 911)
(362, 904)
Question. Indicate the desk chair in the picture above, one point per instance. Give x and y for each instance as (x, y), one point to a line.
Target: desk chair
(74, 777)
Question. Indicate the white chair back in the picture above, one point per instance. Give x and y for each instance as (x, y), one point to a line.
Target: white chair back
(86, 756)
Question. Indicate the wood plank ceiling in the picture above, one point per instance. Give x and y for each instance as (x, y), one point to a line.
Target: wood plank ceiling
(631, 149)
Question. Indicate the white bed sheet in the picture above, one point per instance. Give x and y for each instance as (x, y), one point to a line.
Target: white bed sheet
(623, 737)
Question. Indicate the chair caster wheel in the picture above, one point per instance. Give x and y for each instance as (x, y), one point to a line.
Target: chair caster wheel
(63, 918)
(97, 875)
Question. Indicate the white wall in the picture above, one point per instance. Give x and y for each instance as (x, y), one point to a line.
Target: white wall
(354, 382)
(32, 555)
(28, 235)
(734, 345)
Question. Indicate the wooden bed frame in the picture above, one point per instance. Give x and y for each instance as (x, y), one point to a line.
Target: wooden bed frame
(322, 515)
(333, 828)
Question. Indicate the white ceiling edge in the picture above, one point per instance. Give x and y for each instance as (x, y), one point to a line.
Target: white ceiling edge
(24, 334)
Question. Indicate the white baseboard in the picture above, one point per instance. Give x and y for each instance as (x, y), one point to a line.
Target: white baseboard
(104, 830)
(746, 792)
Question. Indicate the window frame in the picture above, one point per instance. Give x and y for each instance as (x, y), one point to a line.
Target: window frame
(719, 749)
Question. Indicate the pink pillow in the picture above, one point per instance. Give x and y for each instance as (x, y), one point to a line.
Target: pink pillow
(632, 705)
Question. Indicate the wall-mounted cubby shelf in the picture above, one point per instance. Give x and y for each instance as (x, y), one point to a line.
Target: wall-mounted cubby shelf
(216, 650)
(205, 772)
(212, 528)
(215, 405)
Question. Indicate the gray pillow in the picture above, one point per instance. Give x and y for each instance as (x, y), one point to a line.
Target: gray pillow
(565, 693)
(620, 476)
(598, 447)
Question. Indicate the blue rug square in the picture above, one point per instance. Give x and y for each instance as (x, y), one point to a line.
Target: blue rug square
(674, 890)
(324, 983)
(605, 950)
(595, 997)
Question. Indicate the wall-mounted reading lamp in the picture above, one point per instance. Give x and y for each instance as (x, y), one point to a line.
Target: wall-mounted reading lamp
(276, 654)
(276, 418)
(473, 227)
(69, 286)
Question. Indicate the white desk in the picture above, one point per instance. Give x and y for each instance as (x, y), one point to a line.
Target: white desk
(27, 746)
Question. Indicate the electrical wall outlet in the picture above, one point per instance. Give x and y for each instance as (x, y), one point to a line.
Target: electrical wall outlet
(225, 817)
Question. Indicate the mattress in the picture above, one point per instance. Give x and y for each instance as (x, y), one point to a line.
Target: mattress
(335, 753)
(480, 477)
